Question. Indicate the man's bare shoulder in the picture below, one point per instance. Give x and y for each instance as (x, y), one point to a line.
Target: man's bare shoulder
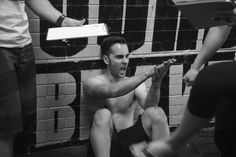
(95, 80)
(90, 83)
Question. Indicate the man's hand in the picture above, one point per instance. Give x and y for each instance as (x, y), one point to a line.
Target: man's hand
(161, 70)
(190, 76)
(69, 22)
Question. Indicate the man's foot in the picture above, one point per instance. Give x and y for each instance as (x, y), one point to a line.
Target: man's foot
(153, 149)
(138, 148)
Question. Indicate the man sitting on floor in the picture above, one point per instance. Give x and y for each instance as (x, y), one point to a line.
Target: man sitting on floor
(110, 98)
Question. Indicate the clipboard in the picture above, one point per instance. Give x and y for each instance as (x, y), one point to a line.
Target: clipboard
(61, 33)
(202, 13)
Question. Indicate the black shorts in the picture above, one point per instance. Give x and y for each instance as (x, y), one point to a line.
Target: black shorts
(122, 140)
(17, 87)
(214, 94)
(213, 84)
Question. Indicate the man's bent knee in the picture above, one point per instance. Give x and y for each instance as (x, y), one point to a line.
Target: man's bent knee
(155, 123)
(156, 114)
(102, 118)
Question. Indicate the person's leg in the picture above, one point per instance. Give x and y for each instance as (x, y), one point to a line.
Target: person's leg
(10, 108)
(6, 145)
(170, 147)
(26, 74)
(101, 132)
(212, 84)
(154, 122)
(215, 82)
(224, 129)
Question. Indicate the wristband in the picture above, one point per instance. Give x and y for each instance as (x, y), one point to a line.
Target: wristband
(60, 19)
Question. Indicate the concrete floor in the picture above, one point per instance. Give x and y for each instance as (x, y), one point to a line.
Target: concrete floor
(190, 150)
(201, 145)
(75, 151)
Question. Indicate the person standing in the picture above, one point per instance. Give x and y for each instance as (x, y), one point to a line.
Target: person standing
(212, 94)
(17, 65)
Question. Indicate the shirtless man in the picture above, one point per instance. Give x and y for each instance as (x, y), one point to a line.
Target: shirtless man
(110, 98)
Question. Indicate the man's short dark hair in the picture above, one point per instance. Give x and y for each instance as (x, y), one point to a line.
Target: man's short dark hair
(108, 42)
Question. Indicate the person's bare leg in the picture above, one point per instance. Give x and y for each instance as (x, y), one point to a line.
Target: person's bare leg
(155, 123)
(190, 124)
(6, 146)
(100, 134)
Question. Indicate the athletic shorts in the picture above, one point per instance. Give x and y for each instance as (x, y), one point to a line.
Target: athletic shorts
(122, 140)
(17, 87)
(214, 94)
(212, 84)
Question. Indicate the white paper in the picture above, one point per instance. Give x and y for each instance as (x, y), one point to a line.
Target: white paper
(60, 33)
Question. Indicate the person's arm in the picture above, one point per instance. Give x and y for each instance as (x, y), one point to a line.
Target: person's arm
(214, 40)
(99, 89)
(153, 96)
(45, 10)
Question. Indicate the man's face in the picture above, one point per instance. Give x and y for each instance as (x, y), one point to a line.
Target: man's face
(118, 60)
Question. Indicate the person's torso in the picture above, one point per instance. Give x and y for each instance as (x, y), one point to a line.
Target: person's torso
(122, 108)
(14, 30)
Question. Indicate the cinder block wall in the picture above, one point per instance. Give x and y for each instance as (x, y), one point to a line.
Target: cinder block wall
(155, 31)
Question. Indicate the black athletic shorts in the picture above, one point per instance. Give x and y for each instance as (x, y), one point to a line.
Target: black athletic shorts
(214, 94)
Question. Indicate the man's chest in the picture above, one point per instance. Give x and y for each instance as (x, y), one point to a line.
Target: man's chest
(121, 103)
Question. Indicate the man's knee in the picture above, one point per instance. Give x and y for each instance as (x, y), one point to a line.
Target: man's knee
(102, 118)
(156, 115)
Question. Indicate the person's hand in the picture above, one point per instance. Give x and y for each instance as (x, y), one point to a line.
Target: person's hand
(154, 149)
(190, 76)
(228, 16)
(161, 70)
(69, 22)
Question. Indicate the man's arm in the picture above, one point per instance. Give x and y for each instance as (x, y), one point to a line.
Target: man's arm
(45, 10)
(153, 96)
(99, 89)
(214, 40)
